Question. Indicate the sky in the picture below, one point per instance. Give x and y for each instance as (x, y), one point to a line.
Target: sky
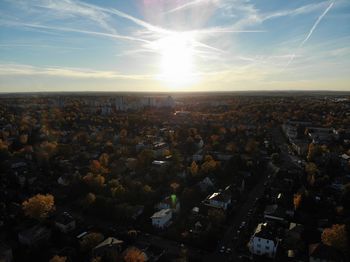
(174, 45)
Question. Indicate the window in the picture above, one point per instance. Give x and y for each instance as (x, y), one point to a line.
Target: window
(267, 247)
(258, 245)
(259, 239)
(267, 241)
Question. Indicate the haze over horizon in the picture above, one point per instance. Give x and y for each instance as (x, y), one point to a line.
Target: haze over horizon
(183, 45)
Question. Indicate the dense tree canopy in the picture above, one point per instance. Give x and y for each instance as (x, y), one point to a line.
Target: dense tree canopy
(39, 206)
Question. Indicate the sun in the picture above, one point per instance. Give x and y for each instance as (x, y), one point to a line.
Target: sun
(177, 60)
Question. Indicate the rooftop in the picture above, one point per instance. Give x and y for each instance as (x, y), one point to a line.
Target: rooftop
(110, 241)
(161, 213)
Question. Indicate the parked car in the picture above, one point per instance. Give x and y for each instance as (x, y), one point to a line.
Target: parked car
(242, 225)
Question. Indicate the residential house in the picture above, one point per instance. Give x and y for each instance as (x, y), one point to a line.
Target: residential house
(34, 235)
(169, 202)
(264, 240)
(160, 164)
(300, 146)
(221, 199)
(65, 222)
(160, 148)
(162, 218)
(107, 247)
(320, 135)
(275, 213)
(205, 184)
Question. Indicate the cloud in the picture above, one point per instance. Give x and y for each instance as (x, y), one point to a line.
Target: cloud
(316, 23)
(81, 31)
(28, 70)
(67, 9)
(310, 33)
(189, 5)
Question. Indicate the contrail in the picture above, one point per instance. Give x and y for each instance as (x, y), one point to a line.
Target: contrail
(316, 23)
(310, 33)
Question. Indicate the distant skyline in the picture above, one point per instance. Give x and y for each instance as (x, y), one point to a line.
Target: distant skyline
(174, 45)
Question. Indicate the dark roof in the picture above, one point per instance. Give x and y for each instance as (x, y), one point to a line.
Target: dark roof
(35, 232)
(64, 218)
(266, 231)
(223, 196)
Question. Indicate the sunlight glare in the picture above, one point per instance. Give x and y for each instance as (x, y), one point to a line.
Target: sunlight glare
(177, 65)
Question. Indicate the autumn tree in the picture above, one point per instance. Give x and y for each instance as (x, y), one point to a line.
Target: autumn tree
(118, 190)
(194, 168)
(297, 200)
(315, 151)
(311, 171)
(91, 240)
(147, 189)
(93, 180)
(174, 186)
(251, 146)
(104, 160)
(23, 139)
(95, 166)
(57, 258)
(38, 206)
(90, 199)
(134, 254)
(209, 164)
(336, 236)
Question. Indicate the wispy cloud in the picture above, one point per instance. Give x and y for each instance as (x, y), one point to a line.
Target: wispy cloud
(67, 9)
(81, 31)
(310, 33)
(189, 5)
(316, 23)
(28, 70)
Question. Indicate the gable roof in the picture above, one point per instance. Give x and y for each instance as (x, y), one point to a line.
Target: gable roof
(110, 241)
(161, 213)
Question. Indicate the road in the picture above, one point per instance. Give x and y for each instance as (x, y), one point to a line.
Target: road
(288, 159)
(228, 239)
(242, 215)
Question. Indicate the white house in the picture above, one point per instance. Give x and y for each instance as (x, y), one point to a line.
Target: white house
(162, 218)
(264, 241)
(219, 199)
